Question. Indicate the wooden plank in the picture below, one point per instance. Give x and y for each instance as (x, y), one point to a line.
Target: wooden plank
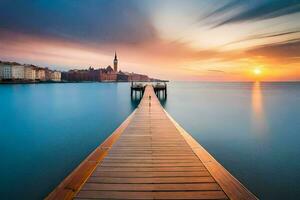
(151, 174)
(190, 195)
(152, 169)
(95, 194)
(178, 180)
(192, 157)
(151, 164)
(155, 154)
(151, 187)
(151, 195)
(148, 161)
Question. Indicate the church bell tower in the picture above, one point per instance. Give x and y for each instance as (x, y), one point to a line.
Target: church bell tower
(116, 63)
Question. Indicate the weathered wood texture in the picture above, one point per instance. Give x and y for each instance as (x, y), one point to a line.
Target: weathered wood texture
(154, 158)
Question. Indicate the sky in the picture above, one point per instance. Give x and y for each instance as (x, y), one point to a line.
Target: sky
(195, 40)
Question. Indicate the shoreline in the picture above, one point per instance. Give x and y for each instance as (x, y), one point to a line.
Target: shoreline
(51, 82)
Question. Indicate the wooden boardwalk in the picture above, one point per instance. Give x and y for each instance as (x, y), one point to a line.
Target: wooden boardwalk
(150, 157)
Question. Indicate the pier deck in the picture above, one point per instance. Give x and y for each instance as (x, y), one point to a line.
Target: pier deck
(150, 157)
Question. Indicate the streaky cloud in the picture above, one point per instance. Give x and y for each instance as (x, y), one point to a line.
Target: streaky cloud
(263, 36)
(255, 10)
(102, 21)
(233, 4)
(216, 71)
(285, 51)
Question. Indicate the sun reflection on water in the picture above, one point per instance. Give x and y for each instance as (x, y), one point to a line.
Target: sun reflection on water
(258, 117)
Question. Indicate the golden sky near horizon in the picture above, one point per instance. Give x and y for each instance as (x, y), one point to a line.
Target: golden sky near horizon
(179, 40)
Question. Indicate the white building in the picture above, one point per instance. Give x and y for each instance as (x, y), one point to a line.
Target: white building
(56, 76)
(17, 71)
(5, 71)
(29, 73)
(8, 71)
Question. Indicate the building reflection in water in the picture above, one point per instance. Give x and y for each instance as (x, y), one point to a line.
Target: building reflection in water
(258, 115)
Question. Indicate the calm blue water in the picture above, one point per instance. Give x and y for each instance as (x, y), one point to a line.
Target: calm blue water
(48, 129)
(252, 129)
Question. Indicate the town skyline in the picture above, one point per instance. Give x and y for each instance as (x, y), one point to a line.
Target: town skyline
(14, 72)
(55, 67)
(176, 40)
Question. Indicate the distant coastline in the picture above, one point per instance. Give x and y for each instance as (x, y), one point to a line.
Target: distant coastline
(15, 82)
(16, 73)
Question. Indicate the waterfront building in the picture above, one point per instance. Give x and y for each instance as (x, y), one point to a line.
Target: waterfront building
(94, 75)
(103, 74)
(108, 75)
(29, 72)
(48, 74)
(137, 77)
(11, 71)
(40, 74)
(71, 75)
(56, 76)
(81, 75)
(122, 76)
(17, 72)
(5, 71)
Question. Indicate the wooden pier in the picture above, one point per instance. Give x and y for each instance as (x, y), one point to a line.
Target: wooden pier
(150, 157)
(160, 89)
(137, 88)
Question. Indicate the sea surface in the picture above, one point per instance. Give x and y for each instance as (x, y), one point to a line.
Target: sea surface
(46, 130)
(252, 129)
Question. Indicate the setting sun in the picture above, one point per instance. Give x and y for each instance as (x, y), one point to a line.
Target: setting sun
(257, 71)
